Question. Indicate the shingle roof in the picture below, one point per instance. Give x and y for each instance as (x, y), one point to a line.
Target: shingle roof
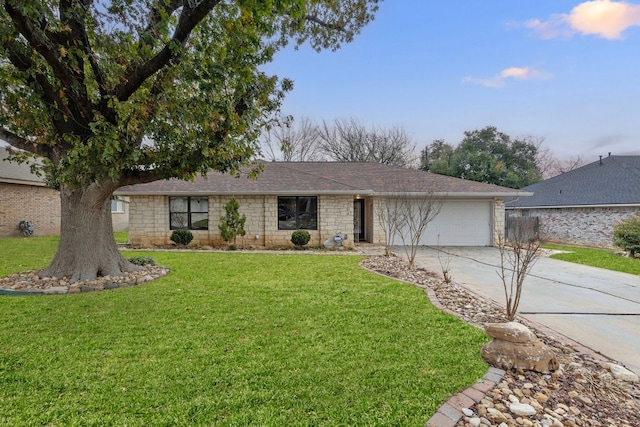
(324, 177)
(13, 172)
(614, 180)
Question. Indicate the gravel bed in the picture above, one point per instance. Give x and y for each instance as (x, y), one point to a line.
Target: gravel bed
(582, 392)
(29, 283)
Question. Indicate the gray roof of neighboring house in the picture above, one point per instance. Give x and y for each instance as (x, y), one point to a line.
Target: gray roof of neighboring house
(302, 178)
(16, 173)
(614, 180)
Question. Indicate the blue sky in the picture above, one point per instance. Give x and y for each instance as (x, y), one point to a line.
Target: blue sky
(565, 71)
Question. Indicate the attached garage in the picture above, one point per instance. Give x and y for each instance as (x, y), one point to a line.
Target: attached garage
(459, 223)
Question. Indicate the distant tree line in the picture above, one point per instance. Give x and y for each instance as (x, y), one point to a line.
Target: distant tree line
(343, 140)
(484, 155)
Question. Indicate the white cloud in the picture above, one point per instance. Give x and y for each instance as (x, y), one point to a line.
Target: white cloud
(500, 79)
(604, 18)
(555, 27)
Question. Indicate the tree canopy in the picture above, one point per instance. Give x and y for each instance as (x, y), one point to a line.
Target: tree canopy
(140, 90)
(485, 155)
(119, 92)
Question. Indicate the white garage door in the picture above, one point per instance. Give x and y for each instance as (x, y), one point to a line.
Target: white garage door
(459, 223)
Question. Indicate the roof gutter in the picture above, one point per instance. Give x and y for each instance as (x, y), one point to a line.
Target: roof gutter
(466, 194)
(244, 193)
(611, 205)
(368, 192)
(22, 182)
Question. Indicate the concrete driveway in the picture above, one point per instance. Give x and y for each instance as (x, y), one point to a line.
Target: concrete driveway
(598, 308)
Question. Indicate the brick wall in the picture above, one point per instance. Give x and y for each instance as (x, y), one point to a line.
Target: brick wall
(580, 226)
(36, 204)
(149, 221)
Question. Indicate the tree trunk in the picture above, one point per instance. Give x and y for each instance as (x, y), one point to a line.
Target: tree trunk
(87, 246)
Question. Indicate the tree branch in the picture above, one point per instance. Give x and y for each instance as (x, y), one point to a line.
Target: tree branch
(69, 16)
(66, 122)
(52, 55)
(24, 144)
(137, 73)
(315, 19)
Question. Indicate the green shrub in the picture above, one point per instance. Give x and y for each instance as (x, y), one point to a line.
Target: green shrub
(142, 260)
(626, 235)
(182, 237)
(300, 238)
(232, 223)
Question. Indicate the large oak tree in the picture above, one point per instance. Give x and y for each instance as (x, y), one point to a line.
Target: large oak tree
(112, 93)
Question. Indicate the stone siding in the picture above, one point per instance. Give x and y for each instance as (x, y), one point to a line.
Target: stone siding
(377, 226)
(498, 221)
(39, 205)
(149, 221)
(585, 226)
(120, 220)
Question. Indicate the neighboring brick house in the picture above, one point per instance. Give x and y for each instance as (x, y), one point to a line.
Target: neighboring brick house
(583, 206)
(322, 197)
(24, 197)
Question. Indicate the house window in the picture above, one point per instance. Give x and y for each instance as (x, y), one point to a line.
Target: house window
(191, 213)
(297, 213)
(117, 204)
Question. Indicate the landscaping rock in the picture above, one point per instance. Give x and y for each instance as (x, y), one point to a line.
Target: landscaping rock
(56, 290)
(510, 331)
(19, 283)
(522, 409)
(505, 355)
(622, 373)
(520, 350)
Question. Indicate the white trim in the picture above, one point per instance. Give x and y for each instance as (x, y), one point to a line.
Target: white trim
(371, 193)
(22, 182)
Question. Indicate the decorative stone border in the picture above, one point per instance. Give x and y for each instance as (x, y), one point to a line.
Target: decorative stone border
(29, 284)
(450, 412)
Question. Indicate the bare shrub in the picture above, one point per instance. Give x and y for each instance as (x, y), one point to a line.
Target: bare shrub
(517, 257)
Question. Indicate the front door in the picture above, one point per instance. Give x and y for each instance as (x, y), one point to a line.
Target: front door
(358, 221)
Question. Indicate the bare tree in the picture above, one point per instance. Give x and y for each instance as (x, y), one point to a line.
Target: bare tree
(517, 257)
(392, 146)
(292, 140)
(351, 141)
(445, 263)
(388, 215)
(415, 212)
(569, 164)
(344, 141)
(550, 165)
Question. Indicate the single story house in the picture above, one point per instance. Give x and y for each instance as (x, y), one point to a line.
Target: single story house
(25, 197)
(583, 206)
(322, 197)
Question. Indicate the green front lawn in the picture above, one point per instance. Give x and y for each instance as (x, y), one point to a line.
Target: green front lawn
(121, 236)
(230, 339)
(602, 258)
